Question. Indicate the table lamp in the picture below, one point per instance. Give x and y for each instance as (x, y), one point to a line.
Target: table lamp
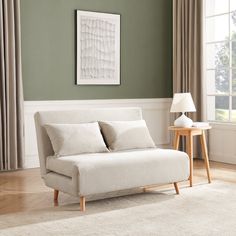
(183, 102)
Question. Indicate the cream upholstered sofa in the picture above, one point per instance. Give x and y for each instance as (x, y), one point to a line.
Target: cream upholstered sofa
(87, 174)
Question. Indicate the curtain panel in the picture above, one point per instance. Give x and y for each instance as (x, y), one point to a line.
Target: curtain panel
(11, 92)
(188, 50)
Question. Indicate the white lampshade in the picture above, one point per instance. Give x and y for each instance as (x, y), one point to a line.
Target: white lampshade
(182, 102)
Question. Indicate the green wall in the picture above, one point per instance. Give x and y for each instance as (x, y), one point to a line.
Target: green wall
(48, 49)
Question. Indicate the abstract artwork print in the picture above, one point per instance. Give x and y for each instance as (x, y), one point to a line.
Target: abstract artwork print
(98, 48)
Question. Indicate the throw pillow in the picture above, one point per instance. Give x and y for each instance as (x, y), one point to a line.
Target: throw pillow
(123, 135)
(71, 139)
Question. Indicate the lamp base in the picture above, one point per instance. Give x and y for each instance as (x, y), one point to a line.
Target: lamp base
(183, 121)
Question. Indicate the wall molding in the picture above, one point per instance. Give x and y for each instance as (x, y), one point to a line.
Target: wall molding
(155, 112)
(55, 104)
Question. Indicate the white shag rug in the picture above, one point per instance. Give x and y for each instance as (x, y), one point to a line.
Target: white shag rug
(207, 209)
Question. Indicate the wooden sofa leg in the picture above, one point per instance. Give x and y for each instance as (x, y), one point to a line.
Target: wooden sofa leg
(56, 192)
(176, 188)
(82, 203)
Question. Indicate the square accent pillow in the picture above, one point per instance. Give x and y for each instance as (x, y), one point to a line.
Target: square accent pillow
(124, 135)
(72, 139)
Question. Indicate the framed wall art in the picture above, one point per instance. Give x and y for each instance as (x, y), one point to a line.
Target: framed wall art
(98, 48)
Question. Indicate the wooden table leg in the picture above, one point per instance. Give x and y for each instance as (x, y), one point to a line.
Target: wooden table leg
(189, 139)
(82, 203)
(56, 193)
(176, 140)
(205, 155)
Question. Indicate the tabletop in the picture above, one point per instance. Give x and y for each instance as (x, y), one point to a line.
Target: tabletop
(190, 128)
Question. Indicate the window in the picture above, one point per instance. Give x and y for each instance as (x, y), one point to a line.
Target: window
(220, 53)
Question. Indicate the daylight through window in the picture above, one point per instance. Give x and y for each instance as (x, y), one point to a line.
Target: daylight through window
(220, 39)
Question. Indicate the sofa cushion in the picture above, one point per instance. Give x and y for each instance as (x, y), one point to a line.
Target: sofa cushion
(70, 139)
(103, 172)
(124, 135)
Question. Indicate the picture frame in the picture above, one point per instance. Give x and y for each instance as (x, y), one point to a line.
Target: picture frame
(98, 48)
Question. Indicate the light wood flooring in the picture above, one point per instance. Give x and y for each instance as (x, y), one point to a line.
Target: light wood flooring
(24, 190)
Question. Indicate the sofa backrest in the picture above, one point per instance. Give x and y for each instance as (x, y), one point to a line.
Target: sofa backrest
(73, 117)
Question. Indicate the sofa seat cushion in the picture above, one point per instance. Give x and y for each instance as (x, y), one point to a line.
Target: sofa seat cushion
(103, 172)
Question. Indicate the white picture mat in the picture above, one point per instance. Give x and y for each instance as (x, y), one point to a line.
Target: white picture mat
(104, 16)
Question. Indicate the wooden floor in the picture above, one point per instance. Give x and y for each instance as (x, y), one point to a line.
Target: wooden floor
(24, 190)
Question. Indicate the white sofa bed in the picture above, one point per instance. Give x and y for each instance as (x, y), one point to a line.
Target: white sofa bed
(86, 174)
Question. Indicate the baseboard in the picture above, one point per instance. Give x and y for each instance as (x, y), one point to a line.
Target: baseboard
(229, 159)
(222, 146)
(155, 112)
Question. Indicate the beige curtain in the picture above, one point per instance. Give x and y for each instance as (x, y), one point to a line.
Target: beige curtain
(11, 97)
(188, 50)
(188, 55)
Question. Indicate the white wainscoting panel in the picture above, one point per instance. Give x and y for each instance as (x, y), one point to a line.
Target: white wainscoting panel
(222, 143)
(155, 112)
